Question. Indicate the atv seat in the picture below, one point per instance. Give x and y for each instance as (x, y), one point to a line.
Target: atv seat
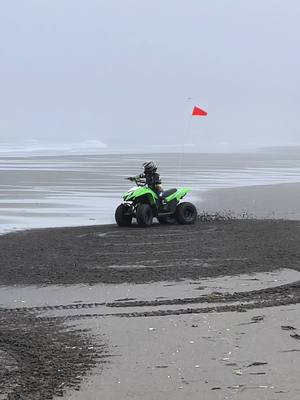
(168, 192)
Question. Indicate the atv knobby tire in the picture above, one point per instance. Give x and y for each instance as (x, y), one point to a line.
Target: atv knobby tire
(122, 219)
(186, 213)
(144, 215)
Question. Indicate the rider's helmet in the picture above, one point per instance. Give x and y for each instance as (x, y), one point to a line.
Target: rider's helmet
(149, 167)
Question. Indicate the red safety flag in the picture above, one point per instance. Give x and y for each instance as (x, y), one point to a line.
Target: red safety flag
(198, 112)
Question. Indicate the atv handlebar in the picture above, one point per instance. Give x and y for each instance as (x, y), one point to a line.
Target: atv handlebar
(138, 181)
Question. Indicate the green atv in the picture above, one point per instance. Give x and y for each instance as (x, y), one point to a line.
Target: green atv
(144, 204)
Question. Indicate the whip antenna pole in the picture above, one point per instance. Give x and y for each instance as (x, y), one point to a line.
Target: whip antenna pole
(197, 112)
(182, 152)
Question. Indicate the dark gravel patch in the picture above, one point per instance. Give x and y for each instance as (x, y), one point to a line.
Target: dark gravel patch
(86, 254)
(39, 358)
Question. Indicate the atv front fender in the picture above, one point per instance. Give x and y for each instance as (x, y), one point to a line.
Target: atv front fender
(141, 192)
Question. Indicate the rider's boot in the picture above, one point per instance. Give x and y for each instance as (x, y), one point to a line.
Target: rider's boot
(163, 203)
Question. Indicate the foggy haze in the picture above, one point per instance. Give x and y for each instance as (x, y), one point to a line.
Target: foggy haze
(127, 73)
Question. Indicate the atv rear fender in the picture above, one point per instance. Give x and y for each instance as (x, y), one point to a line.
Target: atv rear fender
(178, 195)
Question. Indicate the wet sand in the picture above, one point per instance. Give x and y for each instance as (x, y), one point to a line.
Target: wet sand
(209, 310)
(208, 356)
(72, 190)
(281, 201)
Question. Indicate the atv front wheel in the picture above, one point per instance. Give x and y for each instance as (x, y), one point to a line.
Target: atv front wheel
(144, 215)
(123, 218)
(186, 213)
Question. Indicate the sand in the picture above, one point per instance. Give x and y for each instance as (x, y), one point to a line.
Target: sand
(205, 311)
(280, 201)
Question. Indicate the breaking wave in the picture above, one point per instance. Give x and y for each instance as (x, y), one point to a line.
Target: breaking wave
(43, 148)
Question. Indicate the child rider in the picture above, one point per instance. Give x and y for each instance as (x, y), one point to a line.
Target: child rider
(152, 178)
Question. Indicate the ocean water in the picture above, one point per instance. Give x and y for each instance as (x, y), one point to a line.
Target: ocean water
(84, 189)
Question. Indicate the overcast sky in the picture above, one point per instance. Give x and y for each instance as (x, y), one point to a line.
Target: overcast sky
(128, 72)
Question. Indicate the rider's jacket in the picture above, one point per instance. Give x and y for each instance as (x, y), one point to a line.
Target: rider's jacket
(152, 180)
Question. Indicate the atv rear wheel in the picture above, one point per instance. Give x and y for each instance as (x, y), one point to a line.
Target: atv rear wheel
(186, 213)
(144, 215)
(123, 218)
